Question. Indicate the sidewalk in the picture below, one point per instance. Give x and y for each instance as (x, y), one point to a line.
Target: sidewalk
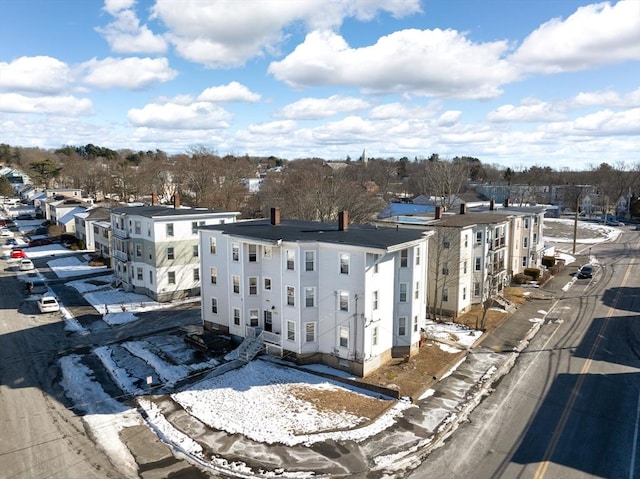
(402, 444)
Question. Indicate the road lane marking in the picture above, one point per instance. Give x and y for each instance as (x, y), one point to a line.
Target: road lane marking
(541, 470)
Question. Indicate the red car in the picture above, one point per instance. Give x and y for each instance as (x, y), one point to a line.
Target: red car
(40, 242)
(18, 253)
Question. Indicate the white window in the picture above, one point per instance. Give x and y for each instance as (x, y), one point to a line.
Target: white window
(417, 254)
(196, 274)
(254, 316)
(445, 268)
(236, 284)
(235, 252)
(310, 332)
(466, 241)
(464, 267)
(416, 292)
(171, 275)
(291, 257)
(196, 250)
(404, 258)
(344, 263)
(291, 296)
(479, 237)
(150, 277)
(212, 246)
(446, 242)
(170, 253)
(524, 261)
(343, 298)
(403, 292)
(476, 288)
(464, 293)
(267, 284)
(535, 238)
(525, 242)
(374, 336)
(253, 253)
(266, 251)
(415, 324)
(139, 273)
(214, 275)
(309, 297)
(526, 223)
(445, 294)
(236, 316)
(291, 330)
(139, 250)
(169, 229)
(253, 285)
(402, 326)
(214, 305)
(194, 227)
(478, 263)
(268, 321)
(375, 300)
(344, 337)
(309, 260)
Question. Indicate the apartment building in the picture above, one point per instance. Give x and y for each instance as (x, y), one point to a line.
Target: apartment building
(348, 296)
(155, 249)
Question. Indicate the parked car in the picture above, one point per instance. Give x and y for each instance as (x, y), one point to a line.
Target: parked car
(40, 242)
(36, 286)
(11, 242)
(48, 304)
(24, 216)
(18, 253)
(5, 233)
(585, 271)
(25, 265)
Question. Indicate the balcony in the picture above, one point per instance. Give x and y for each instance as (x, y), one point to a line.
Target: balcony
(121, 256)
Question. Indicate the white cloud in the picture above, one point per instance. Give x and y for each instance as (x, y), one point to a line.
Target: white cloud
(232, 92)
(227, 34)
(313, 108)
(595, 35)
(601, 123)
(45, 105)
(128, 73)
(273, 128)
(197, 116)
(39, 74)
(421, 62)
(449, 118)
(400, 110)
(531, 110)
(605, 98)
(125, 34)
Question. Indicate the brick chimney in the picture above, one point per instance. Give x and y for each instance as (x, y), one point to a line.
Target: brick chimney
(343, 221)
(176, 200)
(154, 199)
(275, 216)
(492, 205)
(463, 208)
(438, 213)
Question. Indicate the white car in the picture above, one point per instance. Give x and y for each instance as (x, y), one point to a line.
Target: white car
(4, 233)
(25, 265)
(48, 304)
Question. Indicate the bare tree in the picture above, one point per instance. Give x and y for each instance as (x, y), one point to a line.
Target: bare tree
(442, 179)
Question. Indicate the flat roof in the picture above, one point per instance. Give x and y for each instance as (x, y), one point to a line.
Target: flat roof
(472, 218)
(159, 211)
(301, 231)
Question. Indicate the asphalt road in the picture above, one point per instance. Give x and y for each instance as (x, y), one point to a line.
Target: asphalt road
(41, 437)
(570, 408)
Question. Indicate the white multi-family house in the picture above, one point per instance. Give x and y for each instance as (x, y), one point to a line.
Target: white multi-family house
(468, 260)
(348, 296)
(102, 239)
(526, 247)
(155, 249)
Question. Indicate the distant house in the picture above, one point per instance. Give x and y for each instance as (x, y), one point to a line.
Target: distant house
(406, 209)
(348, 296)
(102, 239)
(84, 225)
(155, 249)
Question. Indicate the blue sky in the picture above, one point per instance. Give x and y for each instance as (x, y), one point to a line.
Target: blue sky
(513, 83)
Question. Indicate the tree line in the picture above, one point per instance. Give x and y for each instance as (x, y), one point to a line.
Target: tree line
(308, 189)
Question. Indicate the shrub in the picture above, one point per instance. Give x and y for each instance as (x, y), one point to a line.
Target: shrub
(533, 272)
(548, 261)
(522, 278)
